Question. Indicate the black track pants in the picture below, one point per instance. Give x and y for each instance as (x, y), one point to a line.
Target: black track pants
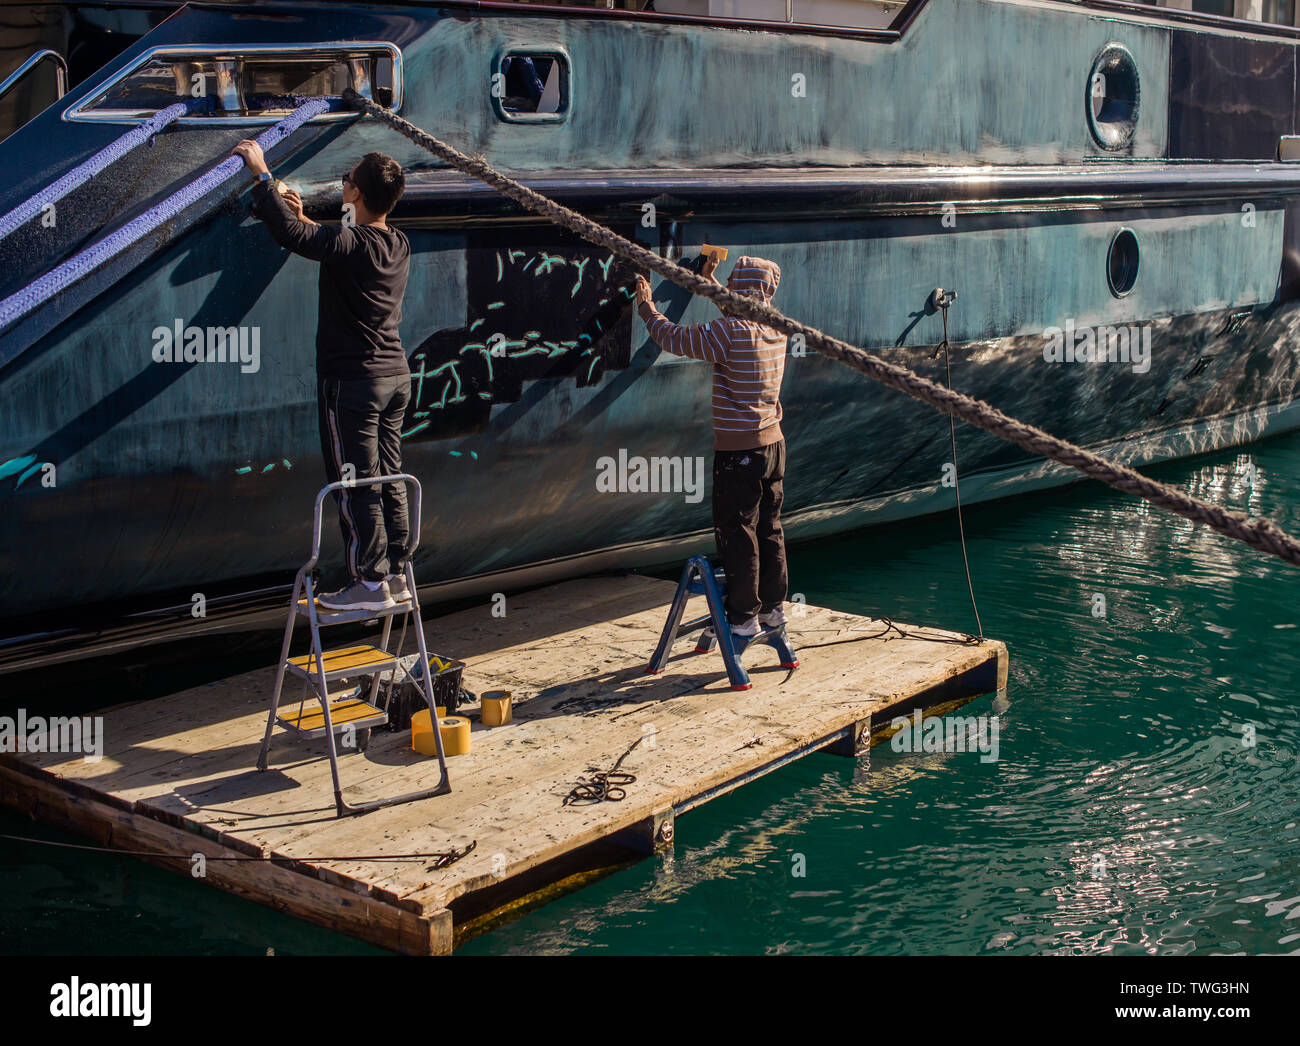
(748, 488)
(361, 425)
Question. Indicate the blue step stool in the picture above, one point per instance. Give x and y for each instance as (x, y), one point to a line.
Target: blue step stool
(701, 578)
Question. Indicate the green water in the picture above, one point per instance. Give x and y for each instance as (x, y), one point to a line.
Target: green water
(1122, 749)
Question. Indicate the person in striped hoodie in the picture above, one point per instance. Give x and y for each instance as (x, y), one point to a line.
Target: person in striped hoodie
(748, 445)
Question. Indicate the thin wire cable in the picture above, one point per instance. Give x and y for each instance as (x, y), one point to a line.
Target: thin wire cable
(956, 482)
(444, 857)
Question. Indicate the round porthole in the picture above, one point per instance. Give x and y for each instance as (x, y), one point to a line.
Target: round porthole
(1122, 263)
(1113, 95)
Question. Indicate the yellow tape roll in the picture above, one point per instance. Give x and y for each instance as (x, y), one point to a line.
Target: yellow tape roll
(422, 731)
(455, 735)
(498, 708)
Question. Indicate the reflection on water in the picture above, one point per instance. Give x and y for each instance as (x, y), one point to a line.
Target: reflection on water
(1146, 798)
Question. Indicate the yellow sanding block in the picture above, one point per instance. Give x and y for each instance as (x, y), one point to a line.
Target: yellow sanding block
(710, 251)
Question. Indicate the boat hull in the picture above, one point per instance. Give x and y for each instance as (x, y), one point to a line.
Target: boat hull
(140, 481)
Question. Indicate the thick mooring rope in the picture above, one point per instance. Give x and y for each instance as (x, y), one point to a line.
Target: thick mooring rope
(1262, 534)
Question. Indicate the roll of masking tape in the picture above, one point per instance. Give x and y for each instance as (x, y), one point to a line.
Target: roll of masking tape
(422, 731)
(497, 709)
(455, 735)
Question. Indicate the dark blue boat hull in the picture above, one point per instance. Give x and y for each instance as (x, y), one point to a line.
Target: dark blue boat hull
(177, 479)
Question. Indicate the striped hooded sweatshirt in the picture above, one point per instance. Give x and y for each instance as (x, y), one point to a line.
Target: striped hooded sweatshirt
(748, 360)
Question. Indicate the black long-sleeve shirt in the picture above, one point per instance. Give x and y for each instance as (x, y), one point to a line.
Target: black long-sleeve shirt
(363, 273)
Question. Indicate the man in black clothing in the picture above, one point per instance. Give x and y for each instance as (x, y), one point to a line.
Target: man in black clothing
(362, 378)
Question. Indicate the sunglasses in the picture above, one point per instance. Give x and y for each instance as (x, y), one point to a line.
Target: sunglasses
(347, 180)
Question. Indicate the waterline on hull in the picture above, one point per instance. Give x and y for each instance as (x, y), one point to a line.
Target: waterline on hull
(263, 609)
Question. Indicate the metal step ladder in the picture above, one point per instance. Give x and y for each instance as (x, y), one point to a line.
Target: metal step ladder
(700, 577)
(345, 711)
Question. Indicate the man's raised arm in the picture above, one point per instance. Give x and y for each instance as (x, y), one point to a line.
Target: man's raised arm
(284, 219)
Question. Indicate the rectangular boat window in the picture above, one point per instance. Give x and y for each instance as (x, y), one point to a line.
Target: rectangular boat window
(247, 84)
(531, 86)
(267, 80)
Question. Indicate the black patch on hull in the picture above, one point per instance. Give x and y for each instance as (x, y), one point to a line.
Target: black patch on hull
(1229, 98)
(564, 308)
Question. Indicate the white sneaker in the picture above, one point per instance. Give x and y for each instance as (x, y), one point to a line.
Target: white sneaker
(773, 618)
(398, 589)
(357, 596)
(748, 629)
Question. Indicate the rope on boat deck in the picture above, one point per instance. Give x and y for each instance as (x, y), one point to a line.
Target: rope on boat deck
(603, 784)
(82, 264)
(111, 153)
(1261, 534)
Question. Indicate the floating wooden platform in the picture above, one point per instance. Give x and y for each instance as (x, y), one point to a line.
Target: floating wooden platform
(178, 776)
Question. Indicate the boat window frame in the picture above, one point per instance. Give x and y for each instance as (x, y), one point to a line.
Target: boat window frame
(1115, 135)
(561, 54)
(82, 111)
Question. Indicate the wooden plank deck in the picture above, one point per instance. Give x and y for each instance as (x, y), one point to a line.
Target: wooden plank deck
(178, 776)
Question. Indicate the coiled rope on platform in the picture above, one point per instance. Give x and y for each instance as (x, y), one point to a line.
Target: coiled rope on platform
(80, 265)
(604, 785)
(87, 169)
(1261, 534)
